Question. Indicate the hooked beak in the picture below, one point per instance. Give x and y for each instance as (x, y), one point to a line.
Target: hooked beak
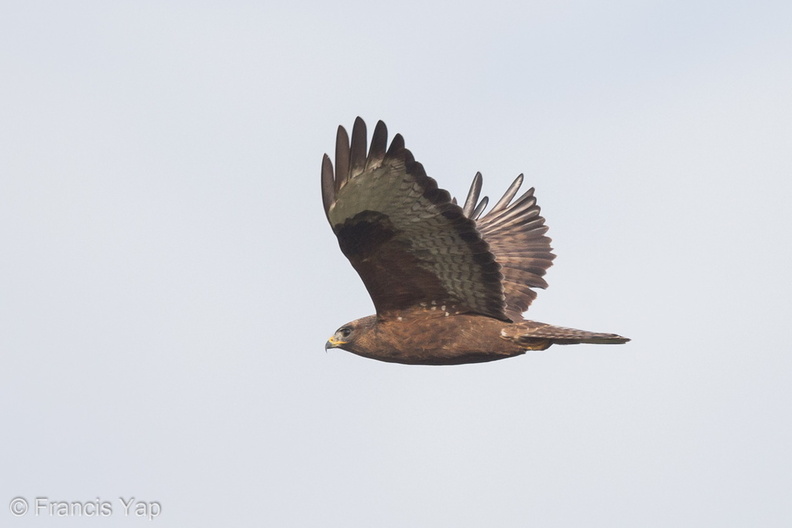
(334, 343)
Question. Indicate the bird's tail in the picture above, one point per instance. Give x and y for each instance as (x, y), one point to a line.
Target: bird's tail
(532, 333)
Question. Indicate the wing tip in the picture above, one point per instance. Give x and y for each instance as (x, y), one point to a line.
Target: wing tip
(328, 184)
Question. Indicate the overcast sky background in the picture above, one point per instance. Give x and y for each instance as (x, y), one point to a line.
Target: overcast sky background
(168, 278)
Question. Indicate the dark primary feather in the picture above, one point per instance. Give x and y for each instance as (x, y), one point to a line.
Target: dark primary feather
(403, 235)
(473, 196)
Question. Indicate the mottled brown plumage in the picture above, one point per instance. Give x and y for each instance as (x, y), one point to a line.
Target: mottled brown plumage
(449, 283)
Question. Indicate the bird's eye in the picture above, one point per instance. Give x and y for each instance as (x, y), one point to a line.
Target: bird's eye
(346, 331)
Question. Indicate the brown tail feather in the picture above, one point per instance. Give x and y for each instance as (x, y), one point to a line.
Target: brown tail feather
(528, 333)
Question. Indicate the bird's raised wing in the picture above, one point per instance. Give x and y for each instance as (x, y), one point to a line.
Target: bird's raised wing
(409, 243)
(515, 233)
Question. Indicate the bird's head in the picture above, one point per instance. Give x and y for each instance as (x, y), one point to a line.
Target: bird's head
(349, 336)
(342, 337)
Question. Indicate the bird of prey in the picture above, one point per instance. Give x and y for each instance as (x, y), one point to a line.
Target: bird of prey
(449, 283)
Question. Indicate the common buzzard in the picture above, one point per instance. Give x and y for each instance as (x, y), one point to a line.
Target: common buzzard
(449, 283)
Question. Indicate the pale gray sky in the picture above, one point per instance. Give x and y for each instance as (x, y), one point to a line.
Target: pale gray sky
(168, 278)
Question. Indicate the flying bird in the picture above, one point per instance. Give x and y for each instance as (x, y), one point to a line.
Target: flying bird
(449, 283)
